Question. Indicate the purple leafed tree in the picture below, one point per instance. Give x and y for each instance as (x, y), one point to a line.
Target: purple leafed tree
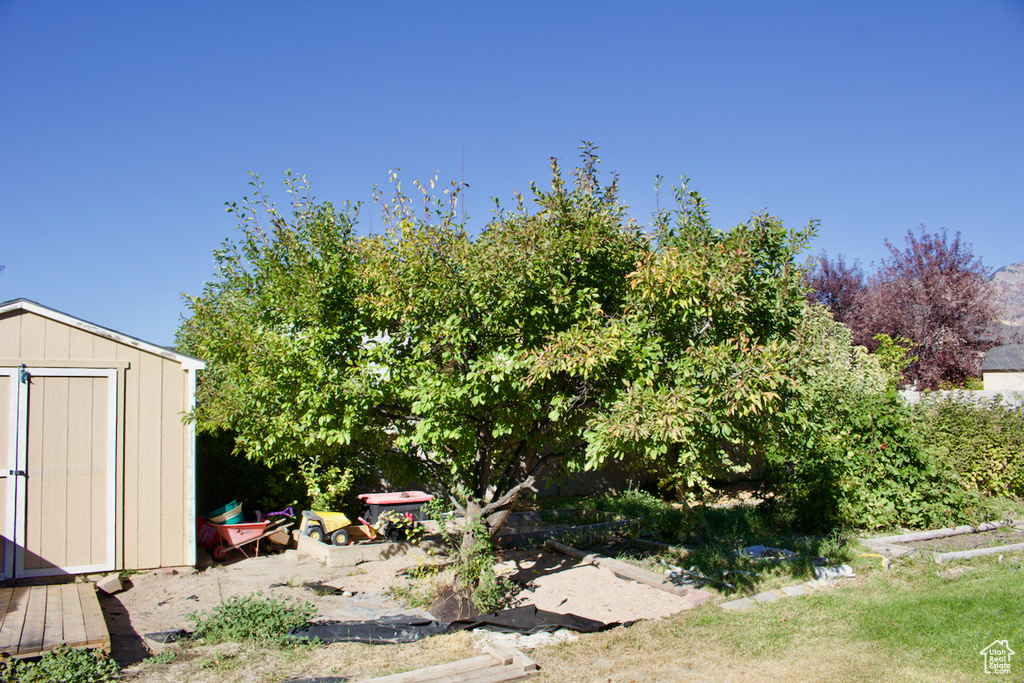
(836, 286)
(932, 292)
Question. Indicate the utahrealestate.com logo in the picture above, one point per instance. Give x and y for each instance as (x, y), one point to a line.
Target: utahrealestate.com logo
(997, 657)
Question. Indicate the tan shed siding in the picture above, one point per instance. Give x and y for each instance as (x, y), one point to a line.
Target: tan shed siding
(80, 474)
(57, 343)
(46, 512)
(5, 406)
(33, 484)
(188, 493)
(10, 336)
(150, 460)
(82, 345)
(99, 462)
(129, 512)
(172, 546)
(33, 336)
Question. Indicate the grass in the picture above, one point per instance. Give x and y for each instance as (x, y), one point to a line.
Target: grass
(917, 622)
(914, 623)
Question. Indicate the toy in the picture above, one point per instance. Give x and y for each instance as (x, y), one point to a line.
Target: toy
(321, 525)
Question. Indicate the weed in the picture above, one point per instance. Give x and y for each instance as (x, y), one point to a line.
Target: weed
(165, 657)
(425, 588)
(251, 618)
(64, 664)
(657, 518)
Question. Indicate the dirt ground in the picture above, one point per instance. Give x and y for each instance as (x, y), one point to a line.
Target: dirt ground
(161, 601)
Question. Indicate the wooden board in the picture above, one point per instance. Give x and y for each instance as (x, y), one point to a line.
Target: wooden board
(14, 619)
(502, 663)
(38, 619)
(623, 570)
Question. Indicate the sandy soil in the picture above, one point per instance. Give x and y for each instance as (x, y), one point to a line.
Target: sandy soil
(161, 601)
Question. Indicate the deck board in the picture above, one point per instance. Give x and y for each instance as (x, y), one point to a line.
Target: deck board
(5, 600)
(96, 633)
(14, 619)
(42, 618)
(74, 629)
(35, 616)
(53, 622)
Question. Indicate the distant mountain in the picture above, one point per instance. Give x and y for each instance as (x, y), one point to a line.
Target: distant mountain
(1007, 285)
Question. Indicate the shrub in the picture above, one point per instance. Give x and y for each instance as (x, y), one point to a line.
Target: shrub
(860, 461)
(984, 442)
(251, 618)
(67, 665)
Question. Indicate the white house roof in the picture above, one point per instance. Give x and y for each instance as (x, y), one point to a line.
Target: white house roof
(186, 361)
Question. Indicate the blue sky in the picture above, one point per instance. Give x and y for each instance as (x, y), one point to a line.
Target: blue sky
(126, 126)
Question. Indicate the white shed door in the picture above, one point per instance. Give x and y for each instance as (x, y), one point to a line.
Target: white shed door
(59, 512)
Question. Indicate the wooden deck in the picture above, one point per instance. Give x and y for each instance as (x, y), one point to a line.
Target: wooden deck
(37, 619)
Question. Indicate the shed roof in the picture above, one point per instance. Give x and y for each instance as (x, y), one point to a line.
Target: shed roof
(1007, 357)
(188, 362)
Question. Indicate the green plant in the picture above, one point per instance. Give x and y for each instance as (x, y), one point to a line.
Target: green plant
(982, 441)
(251, 618)
(894, 356)
(325, 485)
(470, 572)
(861, 461)
(397, 526)
(65, 664)
(165, 657)
(657, 518)
(424, 588)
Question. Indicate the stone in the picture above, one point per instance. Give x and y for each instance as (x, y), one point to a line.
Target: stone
(737, 605)
(794, 590)
(698, 597)
(768, 596)
(835, 571)
(110, 584)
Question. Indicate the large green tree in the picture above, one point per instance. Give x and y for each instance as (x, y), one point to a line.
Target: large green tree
(561, 335)
(464, 321)
(283, 336)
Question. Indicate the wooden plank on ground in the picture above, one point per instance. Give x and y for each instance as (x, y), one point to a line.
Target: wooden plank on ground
(74, 623)
(491, 674)
(96, 634)
(10, 633)
(435, 673)
(978, 552)
(35, 622)
(496, 674)
(506, 654)
(53, 625)
(5, 602)
(622, 570)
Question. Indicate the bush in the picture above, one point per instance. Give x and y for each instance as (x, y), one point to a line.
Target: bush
(984, 442)
(64, 664)
(860, 462)
(251, 618)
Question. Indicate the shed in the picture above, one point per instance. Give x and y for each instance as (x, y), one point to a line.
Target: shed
(1003, 369)
(100, 472)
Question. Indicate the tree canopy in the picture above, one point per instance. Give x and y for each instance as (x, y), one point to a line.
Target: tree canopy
(933, 293)
(561, 335)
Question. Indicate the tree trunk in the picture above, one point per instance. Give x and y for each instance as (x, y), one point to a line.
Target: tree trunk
(471, 531)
